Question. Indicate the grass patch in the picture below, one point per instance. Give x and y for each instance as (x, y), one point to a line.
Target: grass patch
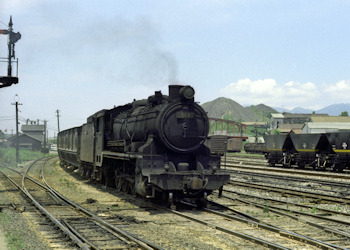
(8, 156)
(13, 239)
(5, 219)
(68, 184)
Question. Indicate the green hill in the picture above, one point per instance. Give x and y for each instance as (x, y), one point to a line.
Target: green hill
(226, 108)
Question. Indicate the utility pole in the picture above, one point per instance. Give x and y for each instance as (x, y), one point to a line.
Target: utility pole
(58, 120)
(45, 136)
(17, 144)
(58, 125)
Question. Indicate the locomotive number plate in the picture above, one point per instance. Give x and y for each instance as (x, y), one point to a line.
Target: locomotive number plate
(184, 115)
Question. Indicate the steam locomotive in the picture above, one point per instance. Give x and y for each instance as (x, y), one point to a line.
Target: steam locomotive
(152, 147)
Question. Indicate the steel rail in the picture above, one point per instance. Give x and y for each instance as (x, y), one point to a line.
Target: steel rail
(232, 232)
(264, 167)
(142, 243)
(275, 209)
(341, 184)
(291, 191)
(282, 232)
(59, 225)
(288, 202)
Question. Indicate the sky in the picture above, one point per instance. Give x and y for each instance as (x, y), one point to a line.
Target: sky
(79, 57)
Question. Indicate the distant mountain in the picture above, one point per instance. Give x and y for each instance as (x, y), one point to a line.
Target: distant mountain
(225, 108)
(335, 109)
(298, 110)
(262, 111)
(332, 110)
(302, 111)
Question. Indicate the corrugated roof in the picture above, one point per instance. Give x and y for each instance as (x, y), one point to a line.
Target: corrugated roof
(286, 128)
(277, 115)
(328, 125)
(26, 128)
(330, 119)
(290, 115)
(290, 126)
(21, 135)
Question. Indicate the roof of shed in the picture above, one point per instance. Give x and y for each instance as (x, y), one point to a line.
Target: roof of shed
(328, 125)
(26, 128)
(277, 115)
(286, 128)
(23, 135)
(333, 119)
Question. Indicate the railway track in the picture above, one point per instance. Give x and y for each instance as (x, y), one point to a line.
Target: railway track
(84, 229)
(254, 163)
(335, 186)
(317, 229)
(224, 228)
(265, 234)
(316, 196)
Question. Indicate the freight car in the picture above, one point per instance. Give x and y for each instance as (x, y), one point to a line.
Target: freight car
(152, 147)
(255, 148)
(312, 150)
(279, 149)
(234, 145)
(217, 144)
(320, 151)
(220, 144)
(340, 143)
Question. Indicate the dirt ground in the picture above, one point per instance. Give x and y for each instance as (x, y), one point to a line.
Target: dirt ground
(2, 240)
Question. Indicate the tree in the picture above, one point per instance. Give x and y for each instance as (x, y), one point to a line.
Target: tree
(344, 113)
(276, 132)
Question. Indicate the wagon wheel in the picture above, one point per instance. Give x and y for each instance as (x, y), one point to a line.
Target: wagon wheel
(338, 168)
(301, 164)
(166, 199)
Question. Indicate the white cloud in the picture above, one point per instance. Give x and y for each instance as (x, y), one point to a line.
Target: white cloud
(268, 91)
(339, 91)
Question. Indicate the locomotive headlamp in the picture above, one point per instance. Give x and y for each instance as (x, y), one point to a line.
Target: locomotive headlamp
(187, 92)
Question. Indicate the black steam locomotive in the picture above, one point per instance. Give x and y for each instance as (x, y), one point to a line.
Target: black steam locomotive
(153, 147)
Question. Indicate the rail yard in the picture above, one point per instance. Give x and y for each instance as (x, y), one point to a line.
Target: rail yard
(174, 125)
(258, 209)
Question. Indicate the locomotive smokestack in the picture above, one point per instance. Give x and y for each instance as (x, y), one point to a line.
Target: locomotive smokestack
(181, 92)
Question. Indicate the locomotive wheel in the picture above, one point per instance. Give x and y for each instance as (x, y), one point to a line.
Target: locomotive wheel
(118, 183)
(125, 185)
(201, 203)
(131, 188)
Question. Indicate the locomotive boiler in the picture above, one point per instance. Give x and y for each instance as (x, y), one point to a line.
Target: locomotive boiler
(153, 147)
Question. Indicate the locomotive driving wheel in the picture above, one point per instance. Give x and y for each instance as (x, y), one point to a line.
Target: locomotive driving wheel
(118, 183)
(131, 188)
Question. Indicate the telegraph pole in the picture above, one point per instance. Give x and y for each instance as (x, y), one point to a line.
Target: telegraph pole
(58, 125)
(58, 120)
(17, 144)
(45, 136)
